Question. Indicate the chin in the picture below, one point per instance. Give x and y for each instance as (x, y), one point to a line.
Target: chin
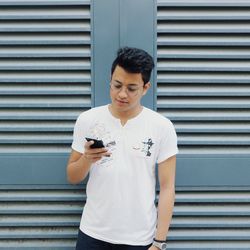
(121, 107)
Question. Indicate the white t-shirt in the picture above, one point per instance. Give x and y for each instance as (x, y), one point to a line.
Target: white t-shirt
(120, 206)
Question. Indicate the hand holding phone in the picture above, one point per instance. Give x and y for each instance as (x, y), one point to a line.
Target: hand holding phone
(95, 151)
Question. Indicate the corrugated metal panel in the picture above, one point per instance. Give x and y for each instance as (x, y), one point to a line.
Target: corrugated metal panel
(203, 74)
(48, 218)
(45, 73)
(45, 82)
(41, 218)
(204, 88)
(210, 219)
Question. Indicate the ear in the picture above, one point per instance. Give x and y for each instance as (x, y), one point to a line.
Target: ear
(146, 88)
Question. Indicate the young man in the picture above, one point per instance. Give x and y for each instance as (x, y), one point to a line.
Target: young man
(120, 212)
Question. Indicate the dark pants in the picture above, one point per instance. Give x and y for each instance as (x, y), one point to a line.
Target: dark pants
(85, 242)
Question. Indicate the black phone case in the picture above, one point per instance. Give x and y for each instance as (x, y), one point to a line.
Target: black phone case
(97, 143)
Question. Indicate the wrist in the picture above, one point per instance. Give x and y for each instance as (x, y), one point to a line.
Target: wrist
(159, 240)
(85, 160)
(84, 164)
(160, 235)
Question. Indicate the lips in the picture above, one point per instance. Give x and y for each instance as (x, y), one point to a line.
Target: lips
(121, 102)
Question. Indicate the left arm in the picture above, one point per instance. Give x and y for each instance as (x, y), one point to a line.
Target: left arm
(166, 173)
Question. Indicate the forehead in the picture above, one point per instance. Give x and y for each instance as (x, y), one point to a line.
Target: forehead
(125, 77)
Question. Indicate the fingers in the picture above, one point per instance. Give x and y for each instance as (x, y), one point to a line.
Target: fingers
(94, 154)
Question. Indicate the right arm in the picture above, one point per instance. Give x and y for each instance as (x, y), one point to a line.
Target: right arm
(79, 164)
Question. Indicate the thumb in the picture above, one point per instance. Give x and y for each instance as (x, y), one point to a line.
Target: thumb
(88, 144)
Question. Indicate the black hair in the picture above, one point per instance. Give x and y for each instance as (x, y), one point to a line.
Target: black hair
(134, 60)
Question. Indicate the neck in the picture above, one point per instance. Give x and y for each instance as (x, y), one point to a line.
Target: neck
(125, 115)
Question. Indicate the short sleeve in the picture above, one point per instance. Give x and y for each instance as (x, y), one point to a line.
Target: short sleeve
(78, 136)
(168, 142)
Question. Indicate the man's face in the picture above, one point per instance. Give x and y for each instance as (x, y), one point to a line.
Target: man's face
(126, 90)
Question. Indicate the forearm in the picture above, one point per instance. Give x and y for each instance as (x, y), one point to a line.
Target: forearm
(165, 212)
(78, 170)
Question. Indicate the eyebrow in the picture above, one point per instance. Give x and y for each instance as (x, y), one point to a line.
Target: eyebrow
(130, 84)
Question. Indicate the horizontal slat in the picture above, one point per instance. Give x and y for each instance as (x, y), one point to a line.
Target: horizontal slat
(44, 51)
(46, 76)
(212, 127)
(206, 234)
(210, 140)
(210, 130)
(202, 40)
(42, 196)
(188, 90)
(201, 28)
(209, 115)
(36, 129)
(42, 102)
(39, 220)
(43, 64)
(182, 13)
(34, 125)
(34, 142)
(210, 222)
(42, 140)
(45, 26)
(59, 223)
(202, 52)
(67, 115)
(193, 77)
(43, 2)
(214, 150)
(39, 233)
(203, 3)
(213, 197)
(204, 102)
(56, 244)
(43, 92)
(202, 65)
(212, 210)
(44, 88)
(44, 39)
(20, 208)
(82, 105)
(200, 105)
(13, 12)
(59, 245)
(18, 148)
(202, 93)
(208, 245)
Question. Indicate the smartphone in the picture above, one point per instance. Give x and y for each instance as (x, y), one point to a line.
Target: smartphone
(97, 143)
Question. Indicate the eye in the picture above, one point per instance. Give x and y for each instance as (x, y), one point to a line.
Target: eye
(117, 86)
(131, 89)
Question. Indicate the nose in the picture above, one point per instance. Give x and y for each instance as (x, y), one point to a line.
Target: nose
(123, 92)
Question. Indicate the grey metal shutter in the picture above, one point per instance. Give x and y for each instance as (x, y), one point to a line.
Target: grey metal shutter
(45, 82)
(204, 88)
